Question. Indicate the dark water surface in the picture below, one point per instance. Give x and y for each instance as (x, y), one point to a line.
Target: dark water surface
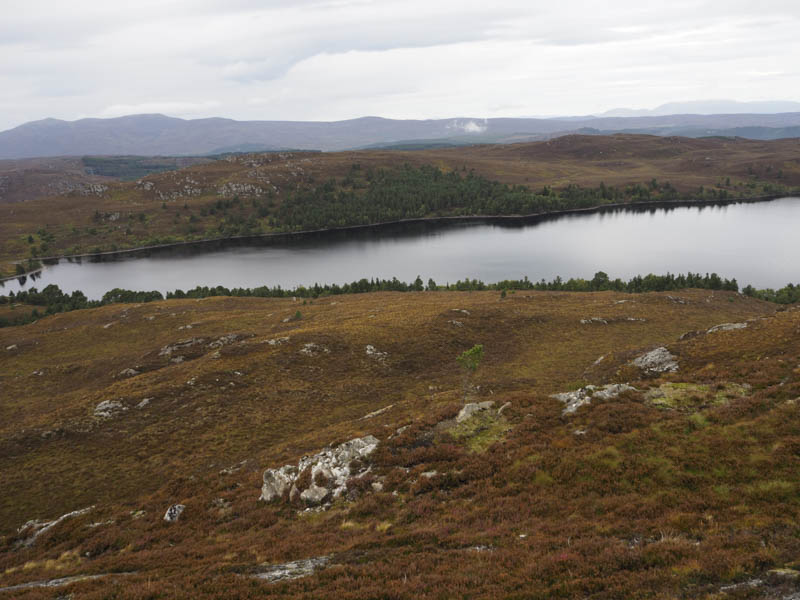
(757, 243)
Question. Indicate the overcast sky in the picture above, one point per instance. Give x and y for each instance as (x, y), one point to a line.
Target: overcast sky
(339, 59)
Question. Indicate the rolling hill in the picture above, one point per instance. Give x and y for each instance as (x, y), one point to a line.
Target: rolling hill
(150, 135)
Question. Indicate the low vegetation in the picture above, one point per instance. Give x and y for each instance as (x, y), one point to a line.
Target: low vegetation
(682, 485)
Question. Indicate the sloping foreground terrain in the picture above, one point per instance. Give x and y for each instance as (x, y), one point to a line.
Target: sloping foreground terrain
(674, 475)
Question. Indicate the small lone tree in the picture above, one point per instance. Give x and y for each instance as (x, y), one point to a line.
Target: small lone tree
(469, 361)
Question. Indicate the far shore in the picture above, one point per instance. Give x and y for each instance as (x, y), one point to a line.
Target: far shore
(541, 216)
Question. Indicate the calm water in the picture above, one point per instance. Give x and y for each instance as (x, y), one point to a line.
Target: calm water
(755, 243)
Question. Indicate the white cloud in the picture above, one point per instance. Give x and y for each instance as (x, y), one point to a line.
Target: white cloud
(335, 59)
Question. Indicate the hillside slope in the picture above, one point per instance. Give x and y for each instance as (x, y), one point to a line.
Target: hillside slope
(682, 487)
(279, 192)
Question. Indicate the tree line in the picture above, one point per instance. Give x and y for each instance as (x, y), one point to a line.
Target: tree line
(370, 196)
(409, 192)
(51, 299)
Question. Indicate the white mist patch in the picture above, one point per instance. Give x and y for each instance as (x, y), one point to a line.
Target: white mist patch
(469, 126)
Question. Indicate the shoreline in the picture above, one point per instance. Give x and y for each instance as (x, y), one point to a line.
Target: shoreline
(655, 204)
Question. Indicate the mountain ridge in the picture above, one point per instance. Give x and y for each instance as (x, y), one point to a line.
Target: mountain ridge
(157, 134)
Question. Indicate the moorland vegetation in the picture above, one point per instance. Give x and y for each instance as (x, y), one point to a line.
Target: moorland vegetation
(681, 485)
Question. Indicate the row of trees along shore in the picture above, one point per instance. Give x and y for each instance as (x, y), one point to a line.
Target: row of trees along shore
(52, 300)
(408, 192)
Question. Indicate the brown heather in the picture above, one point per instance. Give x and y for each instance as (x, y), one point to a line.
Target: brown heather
(650, 502)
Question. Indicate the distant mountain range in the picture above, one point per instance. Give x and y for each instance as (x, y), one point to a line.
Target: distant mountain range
(153, 134)
(708, 107)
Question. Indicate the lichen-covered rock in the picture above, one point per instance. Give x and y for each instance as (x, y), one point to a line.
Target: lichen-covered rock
(577, 398)
(329, 470)
(612, 390)
(36, 528)
(376, 413)
(314, 495)
(277, 481)
(727, 327)
(294, 569)
(224, 340)
(231, 188)
(374, 353)
(180, 345)
(657, 361)
(312, 349)
(471, 408)
(109, 408)
(174, 513)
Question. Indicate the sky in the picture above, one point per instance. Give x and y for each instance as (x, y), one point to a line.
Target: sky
(339, 59)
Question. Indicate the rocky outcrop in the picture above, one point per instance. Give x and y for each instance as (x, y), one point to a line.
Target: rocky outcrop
(277, 482)
(294, 569)
(174, 513)
(312, 349)
(727, 327)
(376, 354)
(225, 340)
(109, 408)
(63, 187)
(376, 413)
(60, 582)
(169, 349)
(610, 320)
(470, 409)
(328, 472)
(657, 361)
(575, 399)
(598, 320)
(231, 189)
(36, 528)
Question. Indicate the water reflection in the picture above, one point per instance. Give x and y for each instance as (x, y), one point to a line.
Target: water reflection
(733, 240)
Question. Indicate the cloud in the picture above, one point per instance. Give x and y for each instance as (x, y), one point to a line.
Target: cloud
(469, 126)
(334, 59)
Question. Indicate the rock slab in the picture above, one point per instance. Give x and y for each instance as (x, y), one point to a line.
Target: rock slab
(329, 471)
(657, 361)
(577, 398)
(174, 513)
